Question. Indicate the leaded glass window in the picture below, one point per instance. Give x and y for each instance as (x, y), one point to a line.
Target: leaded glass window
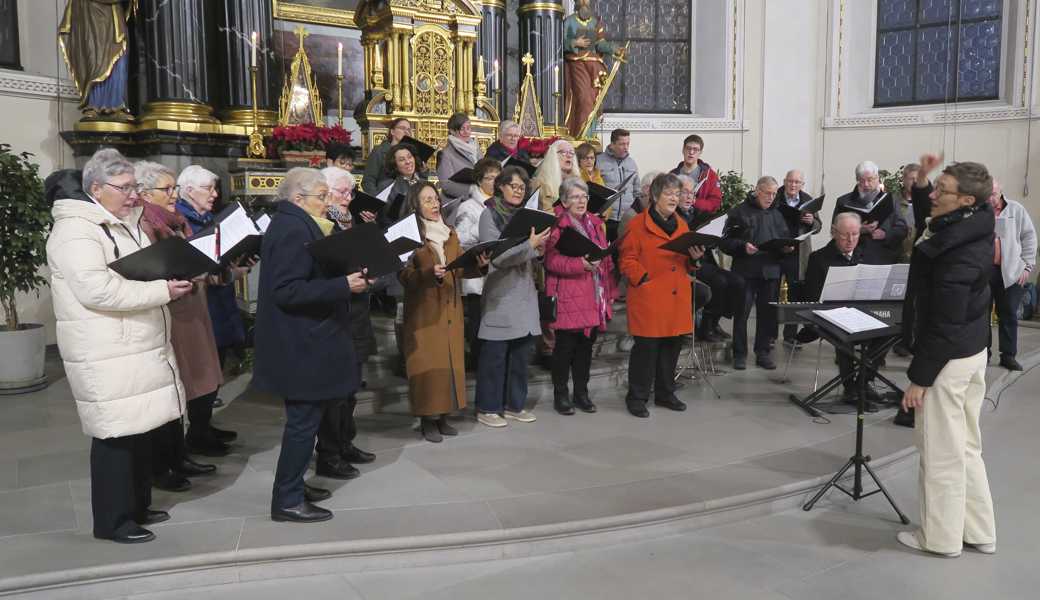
(656, 78)
(931, 51)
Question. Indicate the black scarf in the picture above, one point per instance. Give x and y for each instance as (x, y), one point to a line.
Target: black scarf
(669, 225)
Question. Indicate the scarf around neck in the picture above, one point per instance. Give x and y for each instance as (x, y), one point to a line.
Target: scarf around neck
(325, 225)
(501, 212)
(163, 222)
(436, 233)
(469, 149)
(669, 225)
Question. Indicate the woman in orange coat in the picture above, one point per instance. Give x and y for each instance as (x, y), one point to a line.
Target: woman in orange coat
(659, 309)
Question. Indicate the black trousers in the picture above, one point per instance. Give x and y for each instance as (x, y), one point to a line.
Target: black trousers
(301, 427)
(795, 288)
(846, 367)
(651, 364)
(727, 291)
(120, 482)
(167, 447)
(471, 319)
(758, 293)
(1007, 301)
(337, 429)
(572, 355)
(200, 415)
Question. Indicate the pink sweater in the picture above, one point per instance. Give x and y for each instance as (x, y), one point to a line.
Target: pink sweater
(573, 286)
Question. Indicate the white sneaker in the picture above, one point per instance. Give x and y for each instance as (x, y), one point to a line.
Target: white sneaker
(909, 539)
(523, 416)
(983, 548)
(491, 420)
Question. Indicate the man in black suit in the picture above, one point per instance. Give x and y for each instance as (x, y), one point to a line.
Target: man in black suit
(793, 265)
(882, 241)
(304, 351)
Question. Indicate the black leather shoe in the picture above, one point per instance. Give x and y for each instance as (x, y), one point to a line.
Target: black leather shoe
(171, 482)
(354, 455)
(904, 418)
(1008, 362)
(583, 403)
(562, 403)
(315, 494)
(429, 430)
(722, 334)
(337, 470)
(740, 363)
(223, 435)
(151, 517)
(131, 533)
(189, 468)
(210, 447)
(304, 512)
(638, 409)
(671, 404)
(445, 428)
(766, 362)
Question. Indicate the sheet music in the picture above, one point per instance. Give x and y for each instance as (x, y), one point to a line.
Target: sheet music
(235, 228)
(263, 223)
(715, 227)
(207, 244)
(385, 194)
(851, 320)
(840, 284)
(407, 227)
(532, 202)
(865, 282)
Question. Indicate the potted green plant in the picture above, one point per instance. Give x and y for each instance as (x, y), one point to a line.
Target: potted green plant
(25, 220)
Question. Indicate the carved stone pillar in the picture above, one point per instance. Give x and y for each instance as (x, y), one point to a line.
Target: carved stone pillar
(541, 34)
(492, 46)
(238, 20)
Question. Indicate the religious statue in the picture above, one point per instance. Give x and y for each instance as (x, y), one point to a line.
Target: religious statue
(584, 46)
(93, 39)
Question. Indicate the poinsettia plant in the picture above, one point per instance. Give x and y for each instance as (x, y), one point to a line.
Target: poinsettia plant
(308, 136)
(536, 147)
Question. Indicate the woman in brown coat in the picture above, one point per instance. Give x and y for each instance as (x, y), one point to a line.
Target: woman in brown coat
(192, 337)
(433, 333)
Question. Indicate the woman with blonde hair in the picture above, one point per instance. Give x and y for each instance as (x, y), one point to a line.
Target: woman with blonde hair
(559, 164)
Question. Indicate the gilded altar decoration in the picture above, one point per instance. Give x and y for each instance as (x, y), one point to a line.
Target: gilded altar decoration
(92, 37)
(301, 102)
(528, 112)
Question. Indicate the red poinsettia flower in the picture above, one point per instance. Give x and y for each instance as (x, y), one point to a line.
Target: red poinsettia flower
(536, 147)
(308, 136)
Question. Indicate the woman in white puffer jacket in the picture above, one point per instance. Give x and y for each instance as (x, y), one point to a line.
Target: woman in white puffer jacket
(114, 338)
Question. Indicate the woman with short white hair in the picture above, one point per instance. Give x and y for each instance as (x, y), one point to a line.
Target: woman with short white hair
(114, 339)
(559, 164)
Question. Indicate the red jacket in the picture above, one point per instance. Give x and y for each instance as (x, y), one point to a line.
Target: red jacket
(661, 306)
(573, 286)
(709, 194)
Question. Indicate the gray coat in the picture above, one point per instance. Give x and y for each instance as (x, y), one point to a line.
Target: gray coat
(615, 170)
(509, 306)
(374, 167)
(449, 162)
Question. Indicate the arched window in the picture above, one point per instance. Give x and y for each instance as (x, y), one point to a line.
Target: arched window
(9, 55)
(932, 51)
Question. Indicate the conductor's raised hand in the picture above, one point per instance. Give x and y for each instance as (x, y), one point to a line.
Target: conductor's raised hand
(696, 252)
(929, 162)
(358, 282)
(178, 288)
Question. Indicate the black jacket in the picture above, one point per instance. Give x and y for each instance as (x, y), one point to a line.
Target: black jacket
(361, 330)
(792, 217)
(498, 152)
(304, 349)
(65, 184)
(820, 262)
(878, 252)
(749, 223)
(921, 204)
(946, 311)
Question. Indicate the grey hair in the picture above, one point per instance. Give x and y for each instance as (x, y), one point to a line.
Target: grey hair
(846, 216)
(506, 125)
(194, 176)
(766, 180)
(104, 165)
(148, 173)
(686, 179)
(866, 168)
(646, 180)
(334, 175)
(569, 185)
(299, 180)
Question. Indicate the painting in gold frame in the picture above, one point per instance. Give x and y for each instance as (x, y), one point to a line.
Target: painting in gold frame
(338, 13)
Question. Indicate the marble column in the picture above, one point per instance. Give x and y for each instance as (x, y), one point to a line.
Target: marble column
(541, 34)
(238, 19)
(492, 46)
(178, 50)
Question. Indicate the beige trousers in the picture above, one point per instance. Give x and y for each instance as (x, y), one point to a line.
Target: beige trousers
(955, 501)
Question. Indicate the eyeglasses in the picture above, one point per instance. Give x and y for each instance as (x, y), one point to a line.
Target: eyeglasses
(517, 187)
(126, 190)
(577, 197)
(403, 127)
(170, 189)
(348, 192)
(565, 152)
(491, 177)
(322, 196)
(670, 194)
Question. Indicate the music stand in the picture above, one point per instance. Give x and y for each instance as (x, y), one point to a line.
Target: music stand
(844, 341)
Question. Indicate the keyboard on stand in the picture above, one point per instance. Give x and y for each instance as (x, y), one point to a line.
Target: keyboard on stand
(890, 311)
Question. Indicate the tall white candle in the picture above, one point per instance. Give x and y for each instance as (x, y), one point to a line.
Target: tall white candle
(339, 59)
(495, 74)
(253, 40)
(556, 79)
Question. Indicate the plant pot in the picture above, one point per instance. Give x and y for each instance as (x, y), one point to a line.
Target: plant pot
(21, 359)
(303, 158)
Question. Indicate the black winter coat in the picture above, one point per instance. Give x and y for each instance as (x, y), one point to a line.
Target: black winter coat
(946, 311)
(820, 262)
(304, 349)
(877, 252)
(749, 223)
(498, 152)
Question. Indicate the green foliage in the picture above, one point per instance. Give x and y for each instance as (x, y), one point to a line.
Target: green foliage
(25, 220)
(893, 181)
(734, 189)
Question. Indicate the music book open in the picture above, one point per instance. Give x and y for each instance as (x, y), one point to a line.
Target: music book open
(851, 320)
(171, 258)
(404, 236)
(865, 282)
(877, 212)
(363, 246)
(576, 245)
(231, 236)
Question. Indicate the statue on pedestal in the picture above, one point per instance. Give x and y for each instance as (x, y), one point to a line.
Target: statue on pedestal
(93, 40)
(584, 46)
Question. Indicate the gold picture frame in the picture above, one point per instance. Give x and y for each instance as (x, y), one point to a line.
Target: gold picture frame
(305, 13)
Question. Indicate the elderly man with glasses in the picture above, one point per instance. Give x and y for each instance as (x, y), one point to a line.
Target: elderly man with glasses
(882, 241)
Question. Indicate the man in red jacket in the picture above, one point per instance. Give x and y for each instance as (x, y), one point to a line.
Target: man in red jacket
(708, 188)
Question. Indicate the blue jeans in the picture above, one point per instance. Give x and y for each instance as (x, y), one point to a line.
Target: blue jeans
(1007, 301)
(502, 374)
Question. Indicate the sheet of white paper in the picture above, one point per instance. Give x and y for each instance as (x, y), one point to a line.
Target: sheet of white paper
(870, 281)
(236, 227)
(404, 257)
(207, 245)
(840, 284)
(385, 194)
(715, 227)
(851, 320)
(407, 227)
(803, 236)
(263, 223)
(532, 202)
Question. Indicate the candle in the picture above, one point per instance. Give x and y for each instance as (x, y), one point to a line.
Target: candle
(556, 79)
(480, 68)
(495, 75)
(253, 39)
(339, 58)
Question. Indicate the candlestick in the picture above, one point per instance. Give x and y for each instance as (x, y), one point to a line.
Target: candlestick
(339, 87)
(480, 68)
(556, 109)
(253, 40)
(339, 60)
(556, 79)
(256, 139)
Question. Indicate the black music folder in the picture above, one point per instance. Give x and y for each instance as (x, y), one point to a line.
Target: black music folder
(468, 259)
(424, 150)
(810, 206)
(231, 236)
(520, 224)
(575, 245)
(363, 246)
(363, 202)
(688, 240)
(778, 244)
(512, 161)
(466, 176)
(877, 213)
(171, 258)
(602, 197)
